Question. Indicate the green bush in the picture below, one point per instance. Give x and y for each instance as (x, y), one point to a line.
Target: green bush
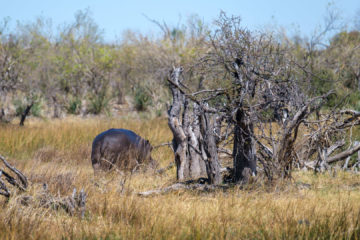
(353, 101)
(21, 104)
(142, 98)
(19, 107)
(99, 103)
(267, 114)
(36, 108)
(322, 82)
(73, 106)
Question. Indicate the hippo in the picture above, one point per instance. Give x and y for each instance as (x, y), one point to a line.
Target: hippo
(120, 148)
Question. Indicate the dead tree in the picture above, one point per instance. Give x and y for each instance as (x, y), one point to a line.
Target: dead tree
(194, 142)
(254, 72)
(325, 145)
(254, 86)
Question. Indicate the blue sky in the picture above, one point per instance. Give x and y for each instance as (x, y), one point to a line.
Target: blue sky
(117, 16)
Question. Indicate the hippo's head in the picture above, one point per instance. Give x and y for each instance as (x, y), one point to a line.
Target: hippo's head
(148, 159)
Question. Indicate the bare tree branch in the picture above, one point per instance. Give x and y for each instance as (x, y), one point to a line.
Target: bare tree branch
(21, 176)
(343, 155)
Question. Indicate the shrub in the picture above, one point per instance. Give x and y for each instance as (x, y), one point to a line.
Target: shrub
(36, 108)
(19, 107)
(99, 103)
(21, 104)
(142, 98)
(323, 81)
(74, 106)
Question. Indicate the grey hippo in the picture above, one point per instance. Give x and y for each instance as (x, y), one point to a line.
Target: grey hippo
(120, 148)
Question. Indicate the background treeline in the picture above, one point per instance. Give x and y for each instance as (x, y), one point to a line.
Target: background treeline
(74, 71)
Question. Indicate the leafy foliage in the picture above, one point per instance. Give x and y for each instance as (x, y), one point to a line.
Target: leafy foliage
(75, 61)
(99, 103)
(21, 104)
(74, 105)
(142, 98)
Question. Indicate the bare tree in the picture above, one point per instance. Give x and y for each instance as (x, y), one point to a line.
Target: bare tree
(185, 125)
(251, 90)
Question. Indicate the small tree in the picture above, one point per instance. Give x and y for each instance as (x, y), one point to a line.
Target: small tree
(11, 71)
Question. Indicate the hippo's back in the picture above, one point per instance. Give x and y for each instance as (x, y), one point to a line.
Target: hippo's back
(118, 133)
(113, 144)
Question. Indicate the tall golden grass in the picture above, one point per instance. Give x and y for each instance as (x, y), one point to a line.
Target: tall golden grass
(58, 153)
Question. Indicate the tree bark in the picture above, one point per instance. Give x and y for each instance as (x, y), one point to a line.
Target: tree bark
(244, 153)
(120, 93)
(210, 154)
(57, 111)
(25, 113)
(197, 164)
(3, 110)
(2, 115)
(174, 122)
(188, 142)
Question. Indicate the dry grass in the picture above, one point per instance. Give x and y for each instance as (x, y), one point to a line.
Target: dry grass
(58, 153)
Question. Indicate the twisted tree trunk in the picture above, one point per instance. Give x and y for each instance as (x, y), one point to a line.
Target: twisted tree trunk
(194, 141)
(244, 152)
(174, 121)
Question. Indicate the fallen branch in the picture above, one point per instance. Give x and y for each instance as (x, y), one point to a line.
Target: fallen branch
(22, 185)
(21, 176)
(338, 144)
(162, 144)
(343, 155)
(72, 204)
(3, 189)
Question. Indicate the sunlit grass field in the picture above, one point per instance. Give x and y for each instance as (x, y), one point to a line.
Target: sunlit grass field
(57, 152)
